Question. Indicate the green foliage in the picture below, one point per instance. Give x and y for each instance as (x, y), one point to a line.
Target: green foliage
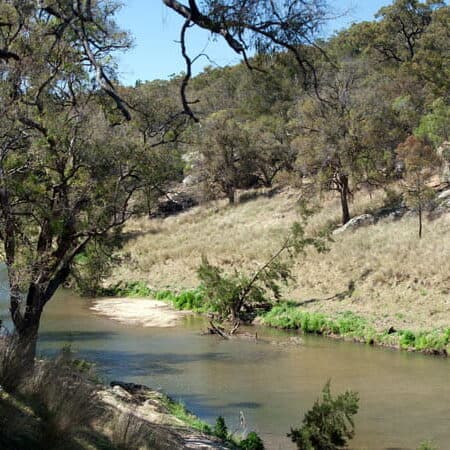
(95, 263)
(220, 428)
(436, 340)
(289, 316)
(192, 300)
(230, 293)
(180, 411)
(347, 324)
(252, 442)
(427, 445)
(435, 126)
(128, 289)
(329, 424)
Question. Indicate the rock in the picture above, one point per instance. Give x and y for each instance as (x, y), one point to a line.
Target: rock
(356, 222)
(444, 195)
(444, 153)
(190, 180)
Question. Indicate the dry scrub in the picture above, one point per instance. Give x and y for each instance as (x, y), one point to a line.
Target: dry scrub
(399, 280)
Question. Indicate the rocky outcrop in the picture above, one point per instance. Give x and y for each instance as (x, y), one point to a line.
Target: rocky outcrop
(142, 415)
(356, 222)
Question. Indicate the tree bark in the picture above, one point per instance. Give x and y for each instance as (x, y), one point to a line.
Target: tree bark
(420, 220)
(344, 193)
(231, 196)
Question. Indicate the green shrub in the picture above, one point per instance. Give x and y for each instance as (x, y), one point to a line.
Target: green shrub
(407, 339)
(180, 411)
(252, 442)
(329, 423)
(128, 289)
(220, 429)
(427, 445)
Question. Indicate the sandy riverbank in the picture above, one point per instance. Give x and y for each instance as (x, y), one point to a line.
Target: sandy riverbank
(139, 311)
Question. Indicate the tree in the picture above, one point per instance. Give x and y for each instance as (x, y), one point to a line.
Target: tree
(226, 158)
(337, 138)
(397, 34)
(272, 153)
(420, 161)
(329, 423)
(229, 294)
(264, 25)
(435, 126)
(69, 163)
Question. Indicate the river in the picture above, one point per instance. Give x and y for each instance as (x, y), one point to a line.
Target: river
(404, 397)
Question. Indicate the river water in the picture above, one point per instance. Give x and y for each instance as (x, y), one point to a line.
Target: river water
(404, 398)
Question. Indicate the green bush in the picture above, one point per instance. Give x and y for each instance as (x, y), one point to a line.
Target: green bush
(252, 442)
(220, 429)
(128, 289)
(407, 339)
(328, 425)
(427, 445)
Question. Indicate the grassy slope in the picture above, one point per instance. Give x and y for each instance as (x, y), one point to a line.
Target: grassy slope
(400, 281)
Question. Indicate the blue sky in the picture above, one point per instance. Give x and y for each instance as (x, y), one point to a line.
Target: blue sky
(156, 29)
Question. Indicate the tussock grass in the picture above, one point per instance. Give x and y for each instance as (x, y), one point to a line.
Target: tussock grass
(399, 280)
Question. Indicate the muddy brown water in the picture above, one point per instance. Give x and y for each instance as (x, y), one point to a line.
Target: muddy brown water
(404, 397)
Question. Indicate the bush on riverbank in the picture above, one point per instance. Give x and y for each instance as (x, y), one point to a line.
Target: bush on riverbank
(193, 300)
(329, 423)
(348, 325)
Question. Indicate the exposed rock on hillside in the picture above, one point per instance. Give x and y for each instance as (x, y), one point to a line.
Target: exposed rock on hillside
(356, 222)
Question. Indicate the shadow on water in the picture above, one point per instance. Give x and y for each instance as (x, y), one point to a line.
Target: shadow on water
(246, 405)
(75, 336)
(126, 364)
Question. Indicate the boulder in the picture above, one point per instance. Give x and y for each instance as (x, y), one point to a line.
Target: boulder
(444, 153)
(444, 195)
(356, 222)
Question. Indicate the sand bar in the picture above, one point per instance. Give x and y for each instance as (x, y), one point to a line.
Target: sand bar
(139, 311)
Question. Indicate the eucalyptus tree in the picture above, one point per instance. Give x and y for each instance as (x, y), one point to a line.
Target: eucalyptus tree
(420, 161)
(339, 142)
(70, 165)
(226, 159)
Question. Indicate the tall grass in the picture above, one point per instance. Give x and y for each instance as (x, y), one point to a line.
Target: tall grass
(165, 253)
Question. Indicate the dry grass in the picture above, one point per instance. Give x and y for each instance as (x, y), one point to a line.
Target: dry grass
(400, 281)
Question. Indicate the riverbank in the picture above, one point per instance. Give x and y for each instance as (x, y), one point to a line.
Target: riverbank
(62, 405)
(382, 273)
(344, 325)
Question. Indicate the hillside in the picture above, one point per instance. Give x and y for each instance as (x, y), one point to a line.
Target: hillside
(399, 281)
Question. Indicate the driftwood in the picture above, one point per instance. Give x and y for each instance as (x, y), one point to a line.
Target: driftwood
(224, 334)
(215, 329)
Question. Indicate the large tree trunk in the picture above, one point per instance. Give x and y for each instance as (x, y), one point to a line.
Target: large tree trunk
(26, 320)
(344, 194)
(18, 363)
(25, 342)
(26, 326)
